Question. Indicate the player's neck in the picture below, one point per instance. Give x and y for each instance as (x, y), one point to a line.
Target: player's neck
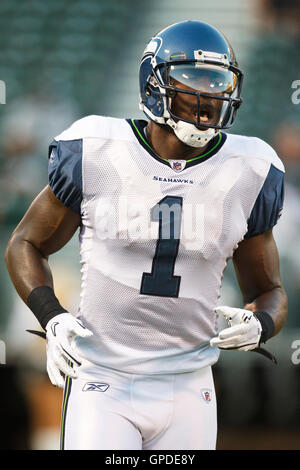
(165, 143)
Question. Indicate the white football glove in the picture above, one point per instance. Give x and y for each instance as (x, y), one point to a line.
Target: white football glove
(61, 331)
(244, 330)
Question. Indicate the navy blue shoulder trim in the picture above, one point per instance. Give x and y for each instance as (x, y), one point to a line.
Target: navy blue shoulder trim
(65, 172)
(268, 205)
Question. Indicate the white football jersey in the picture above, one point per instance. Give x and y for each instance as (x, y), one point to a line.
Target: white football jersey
(156, 235)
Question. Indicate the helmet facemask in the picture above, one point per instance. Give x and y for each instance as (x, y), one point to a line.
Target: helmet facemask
(210, 93)
(208, 90)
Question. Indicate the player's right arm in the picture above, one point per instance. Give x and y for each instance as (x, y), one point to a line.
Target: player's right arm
(54, 215)
(46, 227)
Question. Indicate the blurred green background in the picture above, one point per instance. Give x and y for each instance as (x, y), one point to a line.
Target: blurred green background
(64, 59)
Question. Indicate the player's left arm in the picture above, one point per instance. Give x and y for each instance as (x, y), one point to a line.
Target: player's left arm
(257, 268)
(256, 264)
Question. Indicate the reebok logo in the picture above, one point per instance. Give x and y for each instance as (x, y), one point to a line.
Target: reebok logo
(95, 387)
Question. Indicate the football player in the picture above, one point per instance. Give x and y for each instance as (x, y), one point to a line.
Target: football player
(161, 205)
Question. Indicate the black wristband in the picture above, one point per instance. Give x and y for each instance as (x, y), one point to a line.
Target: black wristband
(43, 303)
(267, 325)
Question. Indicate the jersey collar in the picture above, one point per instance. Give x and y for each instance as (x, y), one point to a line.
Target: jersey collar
(138, 128)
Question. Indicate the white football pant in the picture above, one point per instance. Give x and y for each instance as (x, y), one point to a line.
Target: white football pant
(107, 409)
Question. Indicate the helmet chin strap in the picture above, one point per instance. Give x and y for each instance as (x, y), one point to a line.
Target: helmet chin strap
(190, 135)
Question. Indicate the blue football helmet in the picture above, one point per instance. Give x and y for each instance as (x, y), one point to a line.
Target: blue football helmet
(194, 59)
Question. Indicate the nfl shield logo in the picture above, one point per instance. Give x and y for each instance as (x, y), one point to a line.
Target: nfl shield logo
(206, 395)
(177, 165)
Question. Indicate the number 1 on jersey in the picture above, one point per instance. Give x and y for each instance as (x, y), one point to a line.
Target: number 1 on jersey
(161, 281)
